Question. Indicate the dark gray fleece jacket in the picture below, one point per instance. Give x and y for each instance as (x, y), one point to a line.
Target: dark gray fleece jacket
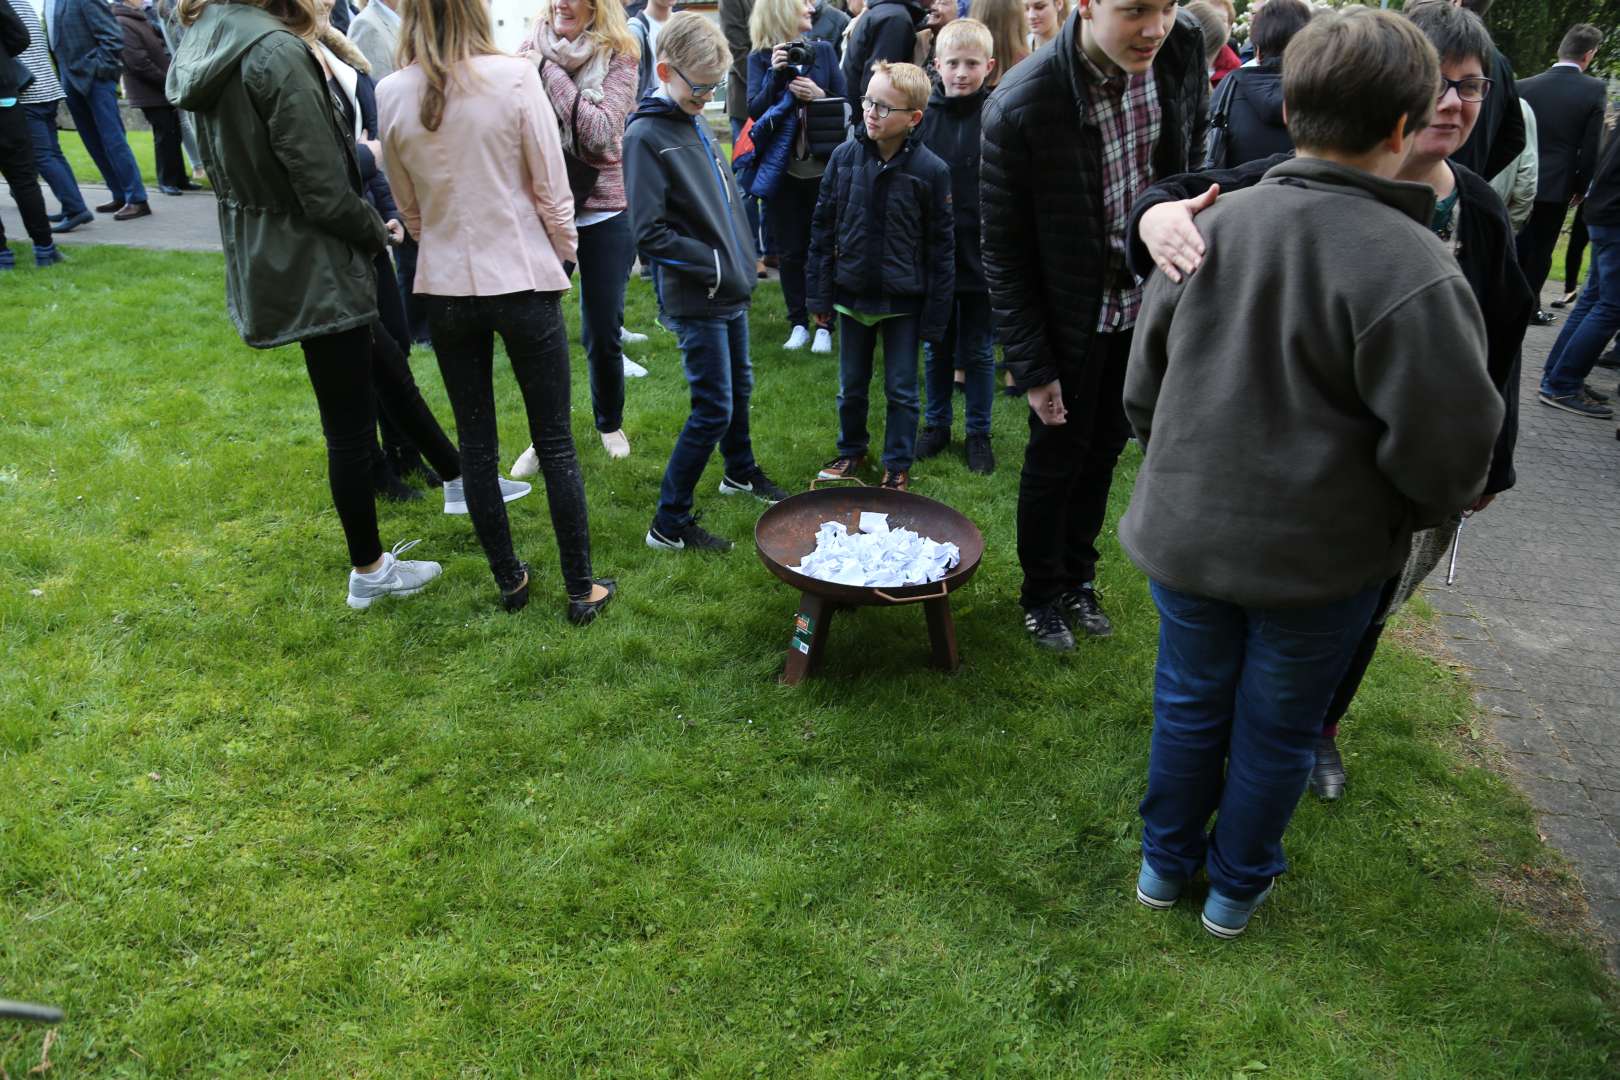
(1306, 403)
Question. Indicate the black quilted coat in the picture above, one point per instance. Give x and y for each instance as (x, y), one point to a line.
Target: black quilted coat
(1040, 181)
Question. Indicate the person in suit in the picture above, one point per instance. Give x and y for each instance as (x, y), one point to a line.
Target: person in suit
(1569, 117)
(89, 51)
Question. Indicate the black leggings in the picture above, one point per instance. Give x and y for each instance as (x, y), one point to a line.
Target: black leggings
(344, 368)
(531, 326)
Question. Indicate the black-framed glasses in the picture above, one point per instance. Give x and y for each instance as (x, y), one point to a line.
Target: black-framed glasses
(698, 89)
(876, 108)
(1473, 88)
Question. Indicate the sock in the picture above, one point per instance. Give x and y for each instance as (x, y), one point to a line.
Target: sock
(44, 254)
(8, 261)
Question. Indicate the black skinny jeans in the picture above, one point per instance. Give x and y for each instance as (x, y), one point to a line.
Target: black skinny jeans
(606, 251)
(164, 121)
(531, 326)
(344, 368)
(22, 175)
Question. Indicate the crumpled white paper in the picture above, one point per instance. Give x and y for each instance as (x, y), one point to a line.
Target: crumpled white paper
(876, 556)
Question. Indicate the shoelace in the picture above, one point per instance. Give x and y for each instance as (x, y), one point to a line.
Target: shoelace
(402, 547)
(1047, 620)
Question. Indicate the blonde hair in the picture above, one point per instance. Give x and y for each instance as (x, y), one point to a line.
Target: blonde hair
(966, 34)
(298, 15)
(774, 21)
(910, 80)
(608, 25)
(688, 40)
(1009, 31)
(436, 35)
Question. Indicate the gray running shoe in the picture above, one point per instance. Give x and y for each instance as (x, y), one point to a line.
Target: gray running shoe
(395, 577)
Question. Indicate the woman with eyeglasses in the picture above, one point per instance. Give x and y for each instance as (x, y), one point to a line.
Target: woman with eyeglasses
(780, 89)
(1469, 220)
(588, 63)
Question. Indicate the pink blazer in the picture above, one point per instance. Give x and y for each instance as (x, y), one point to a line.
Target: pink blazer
(486, 196)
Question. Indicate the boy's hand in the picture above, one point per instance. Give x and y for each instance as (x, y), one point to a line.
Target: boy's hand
(805, 90)
(1047, 403)
(1172, 240)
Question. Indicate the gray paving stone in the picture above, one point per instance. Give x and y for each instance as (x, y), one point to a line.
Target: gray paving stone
(1536, 570)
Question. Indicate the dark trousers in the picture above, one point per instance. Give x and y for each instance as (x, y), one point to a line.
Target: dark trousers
(788, 212)
(857, 350)
(171, 167)
(1068, 469)
(95, 114)
(415, 305)
(346, 369)
(391, 317)
(1536, 241)
(1576, 251)
(17, 166)
(606, 251)
(531, 327)
(1238, 697)
(721, 377)
(969, 347)
(48, 158)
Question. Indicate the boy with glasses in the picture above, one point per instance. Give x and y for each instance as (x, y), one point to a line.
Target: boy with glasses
(689, 224)
(883, 255)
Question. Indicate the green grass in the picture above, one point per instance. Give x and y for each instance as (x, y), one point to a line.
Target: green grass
(84, 168)
(247, 832)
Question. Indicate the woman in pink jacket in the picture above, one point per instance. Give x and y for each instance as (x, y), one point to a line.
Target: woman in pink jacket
(472, 153)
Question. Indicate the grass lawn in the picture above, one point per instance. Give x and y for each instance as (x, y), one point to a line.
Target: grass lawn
(245, 831)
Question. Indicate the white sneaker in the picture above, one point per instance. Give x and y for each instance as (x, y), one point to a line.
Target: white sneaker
(527, 464)
(395, 577)
(633, 370)
(455, 500)
(616, 444)
(823, 342)
(798, 339)
(630, 337)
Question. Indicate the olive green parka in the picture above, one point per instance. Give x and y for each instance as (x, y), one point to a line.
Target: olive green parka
(298, 237)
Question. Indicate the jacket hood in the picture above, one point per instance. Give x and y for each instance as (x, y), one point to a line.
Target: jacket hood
(212, 50)
(1263, 89)
(655, 104)
(1416, 201)
(918, 12)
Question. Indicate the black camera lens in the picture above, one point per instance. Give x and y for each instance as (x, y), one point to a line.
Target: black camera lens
(798, 53)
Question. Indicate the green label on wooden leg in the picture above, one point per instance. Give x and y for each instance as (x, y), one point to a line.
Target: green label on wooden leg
(804, 628)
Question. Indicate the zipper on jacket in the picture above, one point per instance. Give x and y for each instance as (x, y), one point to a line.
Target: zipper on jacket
(725, 194)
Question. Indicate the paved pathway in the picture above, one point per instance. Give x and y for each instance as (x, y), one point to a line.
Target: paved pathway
(1535, 612)
(178, 223)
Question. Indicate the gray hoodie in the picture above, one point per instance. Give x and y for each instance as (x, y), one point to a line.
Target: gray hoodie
(1309, 397)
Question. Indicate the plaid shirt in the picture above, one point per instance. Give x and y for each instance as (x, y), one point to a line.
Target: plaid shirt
(1125, 110)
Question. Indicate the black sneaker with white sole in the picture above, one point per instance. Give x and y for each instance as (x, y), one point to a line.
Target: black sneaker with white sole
(1085, 611)
(755, 483)
(689, 537)
(1045, 624)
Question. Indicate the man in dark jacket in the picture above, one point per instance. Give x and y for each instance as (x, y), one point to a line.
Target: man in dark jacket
(146, 65)
(89, 50)
(1568, 105)
(887, 31)
(16, 148)
(1070, 136)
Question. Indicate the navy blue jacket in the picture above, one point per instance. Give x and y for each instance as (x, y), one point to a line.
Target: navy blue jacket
(766, 86)
(87, 43)
(882, 236)
(950, 129)
(377, 192)
(686, 213)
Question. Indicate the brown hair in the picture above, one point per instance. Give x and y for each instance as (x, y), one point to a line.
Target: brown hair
(298, 15)
(1351, 75)
(1009, 32)
(436, 35)
(1276, 24)
(1579, 40)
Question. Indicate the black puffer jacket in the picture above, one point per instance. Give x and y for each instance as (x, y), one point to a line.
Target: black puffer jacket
(881, 240)
(1485, 254)
(950, 129)
(886, 31)
(1045, 234)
